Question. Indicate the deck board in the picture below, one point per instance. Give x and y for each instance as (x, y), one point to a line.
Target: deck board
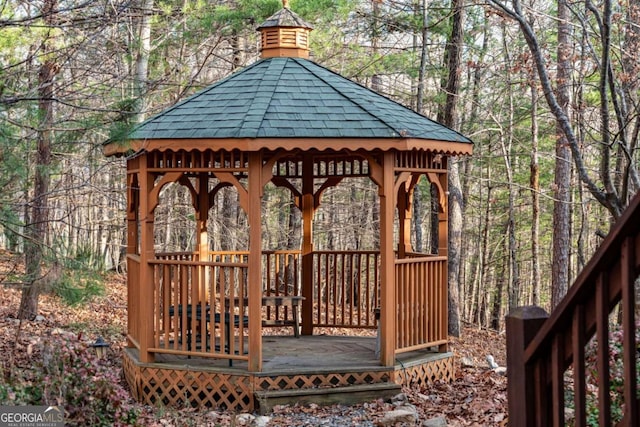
(315, 353)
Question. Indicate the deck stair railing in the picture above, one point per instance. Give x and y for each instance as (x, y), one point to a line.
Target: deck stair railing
(546, 355)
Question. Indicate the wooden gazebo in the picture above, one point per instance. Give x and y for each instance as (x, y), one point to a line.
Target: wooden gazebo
(196, 319)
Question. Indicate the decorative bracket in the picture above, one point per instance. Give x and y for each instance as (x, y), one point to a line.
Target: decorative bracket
(154, 195)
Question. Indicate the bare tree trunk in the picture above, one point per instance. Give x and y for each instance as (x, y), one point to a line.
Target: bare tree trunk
(478, 297)
(36, 229)
(376, 81)
(236, 59)
(466, 288)
(422, 71)
(455, 244)
(534, 182)
(228, 219)
(453, 57)
(501, 280)
(142, 60)
(562, 184)
(376, 85)
(506, 144)
(630, 87)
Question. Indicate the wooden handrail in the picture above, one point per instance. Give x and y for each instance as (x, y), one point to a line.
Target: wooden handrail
(197, 263)
(540, 350)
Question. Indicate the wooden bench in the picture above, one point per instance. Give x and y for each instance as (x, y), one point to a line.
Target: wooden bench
(284, 301)
(215, 318)
(294, 302)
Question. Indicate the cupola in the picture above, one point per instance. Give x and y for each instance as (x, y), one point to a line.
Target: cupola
(285, 34)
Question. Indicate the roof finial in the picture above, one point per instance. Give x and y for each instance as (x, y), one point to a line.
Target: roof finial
(285, 4)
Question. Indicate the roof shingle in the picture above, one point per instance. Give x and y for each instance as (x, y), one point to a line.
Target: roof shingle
(290, 97)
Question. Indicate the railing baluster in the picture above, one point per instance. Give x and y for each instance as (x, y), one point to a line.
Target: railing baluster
(358, 287)
(433, 284)
(557, 380)
(222, 293)
(327, 289)
(541, 397)
(411, 303)
(166, 302)
(212, 307)
(343, 289)
(317, 265)
(602, 324)
(424, 306)
(579, 373)
(193, 298)
(630, 349)
(334, 278)
(369, 306)
(184, 300)
(230, 323)
(157, 297)
(176, 294)
(270, 279)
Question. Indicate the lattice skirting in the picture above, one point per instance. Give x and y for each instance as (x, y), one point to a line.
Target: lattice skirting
(159, 384)
(266, 382)
(188, 386)
(427, 371)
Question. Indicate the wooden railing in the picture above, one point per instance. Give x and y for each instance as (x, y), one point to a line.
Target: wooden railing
(546, 356)
(191, 298)
(346, 284)
(421, 300)
(346, 291)
(200, 308)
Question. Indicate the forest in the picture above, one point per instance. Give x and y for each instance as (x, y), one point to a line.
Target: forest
(547, 91)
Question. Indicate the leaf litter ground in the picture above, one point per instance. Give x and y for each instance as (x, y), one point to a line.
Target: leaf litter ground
(477, 396)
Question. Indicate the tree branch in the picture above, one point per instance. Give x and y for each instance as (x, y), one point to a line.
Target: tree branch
(608, 200)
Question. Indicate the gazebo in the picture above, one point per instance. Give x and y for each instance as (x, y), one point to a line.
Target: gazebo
(196, 319)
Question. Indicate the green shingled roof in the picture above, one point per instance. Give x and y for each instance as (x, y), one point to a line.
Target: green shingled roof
(290, 97)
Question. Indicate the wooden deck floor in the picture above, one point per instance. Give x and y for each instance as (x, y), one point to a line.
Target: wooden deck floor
(318, 366)
(283, 354)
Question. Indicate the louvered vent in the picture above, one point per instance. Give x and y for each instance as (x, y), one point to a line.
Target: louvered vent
(285, 34)
(292, 42)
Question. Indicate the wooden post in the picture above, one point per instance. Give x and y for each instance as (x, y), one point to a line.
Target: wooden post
(307, 244)
(255, 261)
(146, 281)
(388, 309)
(133, 207)
(443, 250)
(522, 324)
(202, 238)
